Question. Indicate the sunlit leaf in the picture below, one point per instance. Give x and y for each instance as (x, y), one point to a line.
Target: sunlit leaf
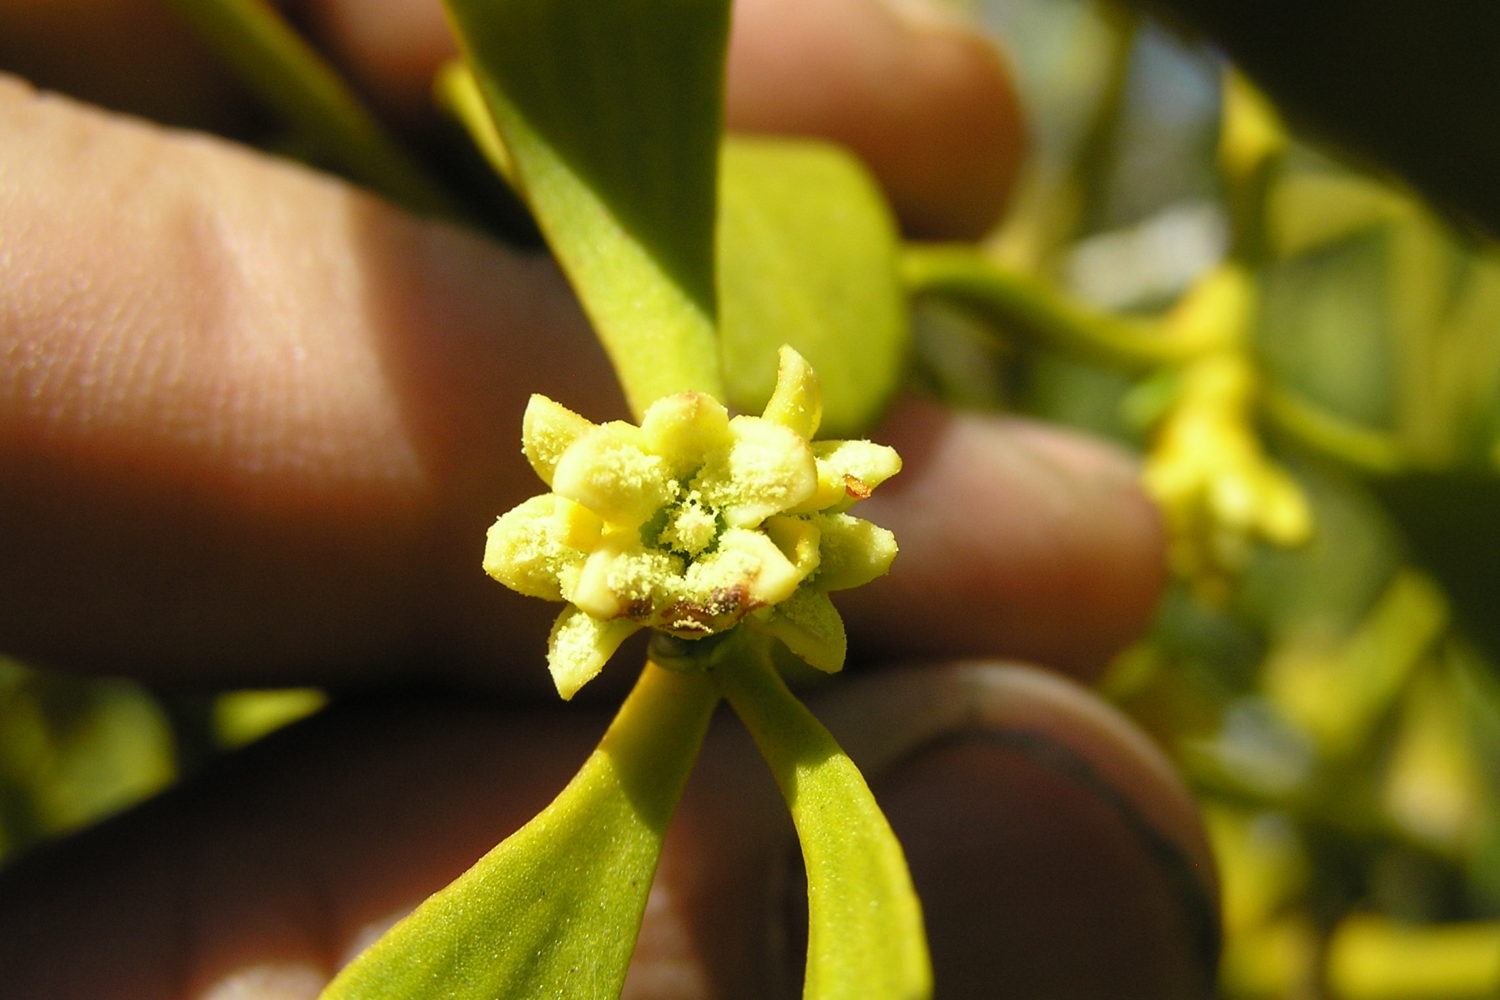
(865, 935)
(611, 111)
(807, 250)
(555, 909)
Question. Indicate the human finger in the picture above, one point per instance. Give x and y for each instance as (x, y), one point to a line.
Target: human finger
(924, 98)
(255, 428)
(920, 94)
(1056, 854)
(1017, 538)
(250, 418)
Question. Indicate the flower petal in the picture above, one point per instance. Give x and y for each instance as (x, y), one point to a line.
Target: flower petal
(848, 471)
(624, 578)
(810, 626)
(537, 546)
(609, 471)
(797, 401)
(747, 571)
(684, 428)
(547, 430)
(799, 540)
(853, 552)
(767, 469)
(580, 645)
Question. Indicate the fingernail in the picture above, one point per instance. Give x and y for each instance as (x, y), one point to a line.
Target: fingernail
(1040, 878)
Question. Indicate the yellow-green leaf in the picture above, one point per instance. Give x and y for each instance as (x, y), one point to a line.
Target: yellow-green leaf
(807, 257)
(611, 113)
(555, 909)
(865, 936)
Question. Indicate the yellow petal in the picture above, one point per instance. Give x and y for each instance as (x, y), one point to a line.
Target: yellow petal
(580, 645)
(797, 401)
(810, 626)
(547, 430)
(609, 471)
(768, 469)
(746, 571)
(536, 546)
(848, 471)
(854, 552)
(624, 578)
(799, 540)
(1285, 518)
(684, 428)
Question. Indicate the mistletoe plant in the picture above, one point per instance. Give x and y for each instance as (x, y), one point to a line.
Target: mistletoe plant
(695, 259)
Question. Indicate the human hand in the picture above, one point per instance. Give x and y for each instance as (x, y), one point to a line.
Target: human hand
(253, 429)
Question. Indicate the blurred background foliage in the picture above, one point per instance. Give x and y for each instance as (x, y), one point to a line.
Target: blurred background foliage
(1325, 678)
(1307, 358)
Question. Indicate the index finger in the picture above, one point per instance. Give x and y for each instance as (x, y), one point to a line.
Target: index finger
(927, 101)
(254, 430)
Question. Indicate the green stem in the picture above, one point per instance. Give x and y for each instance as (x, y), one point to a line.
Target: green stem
(1025, 308)
(285, 72)
(1358, 448)
(865, 935)
(1030, 310)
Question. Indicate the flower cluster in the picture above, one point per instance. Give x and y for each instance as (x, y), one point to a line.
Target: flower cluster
(1217, 487)
(692, 523)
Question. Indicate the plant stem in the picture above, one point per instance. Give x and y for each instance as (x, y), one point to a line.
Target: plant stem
(1361, 449)
(1031, 310)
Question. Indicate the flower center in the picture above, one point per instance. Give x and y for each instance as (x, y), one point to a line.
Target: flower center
(687, 527)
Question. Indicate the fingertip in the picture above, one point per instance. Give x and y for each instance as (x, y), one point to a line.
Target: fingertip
(1017, 539)
(922, 96)
(1056, 852)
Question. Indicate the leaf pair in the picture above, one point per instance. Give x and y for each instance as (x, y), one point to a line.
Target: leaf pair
(606, 116)
(555, 909)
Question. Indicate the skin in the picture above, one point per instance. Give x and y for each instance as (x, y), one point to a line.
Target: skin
(253, 429)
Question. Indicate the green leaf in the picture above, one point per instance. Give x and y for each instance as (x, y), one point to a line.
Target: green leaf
(555, 909)
(310, 96)
(865, 936)
(807, 257)
(612, 111)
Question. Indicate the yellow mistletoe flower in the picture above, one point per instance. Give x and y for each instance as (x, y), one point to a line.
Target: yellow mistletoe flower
(1217, 486)
(692, 523)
